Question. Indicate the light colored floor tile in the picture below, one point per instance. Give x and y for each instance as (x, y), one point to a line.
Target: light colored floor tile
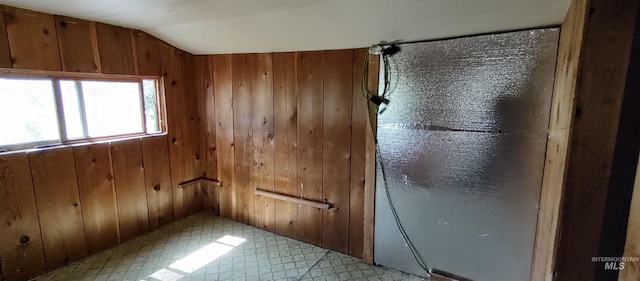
(207, 247)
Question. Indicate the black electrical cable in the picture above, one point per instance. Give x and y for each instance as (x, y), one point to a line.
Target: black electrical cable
(416, 255)
(377, 100)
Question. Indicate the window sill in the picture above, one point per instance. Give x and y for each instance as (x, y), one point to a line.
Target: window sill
(82, 143)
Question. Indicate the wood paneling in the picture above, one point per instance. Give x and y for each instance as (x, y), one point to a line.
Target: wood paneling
(270, 110)
(204, 89)
(157, 177)
(310, 105)
(32, 39)
(58, 201)
(191, 154)
(67, 178)
(128, 171)
(336, 147)
(358, 149)
(183, 129)
(592, 70)
(285, 138)
(243, 138)
(261, 73)
(222, 78)
(97, 194)
(206, 109)
(5, 52)
(147, 54)
(76, 44)
(21, 254)
(116, 51)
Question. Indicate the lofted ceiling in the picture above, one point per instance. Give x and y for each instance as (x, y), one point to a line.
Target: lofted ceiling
(249, 26)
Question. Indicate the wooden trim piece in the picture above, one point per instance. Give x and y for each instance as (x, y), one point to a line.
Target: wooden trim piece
(562, 112)
(63, 74)
(199, 180)
(370, 164)
(293, 199)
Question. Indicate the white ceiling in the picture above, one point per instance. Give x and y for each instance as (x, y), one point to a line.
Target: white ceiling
(248, 26)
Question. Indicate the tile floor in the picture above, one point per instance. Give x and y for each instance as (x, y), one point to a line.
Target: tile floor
(207, 247)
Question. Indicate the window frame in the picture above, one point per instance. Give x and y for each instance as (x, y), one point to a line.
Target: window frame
(55, 77)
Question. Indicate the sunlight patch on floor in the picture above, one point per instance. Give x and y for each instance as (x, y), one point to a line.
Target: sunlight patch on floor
(199, 258)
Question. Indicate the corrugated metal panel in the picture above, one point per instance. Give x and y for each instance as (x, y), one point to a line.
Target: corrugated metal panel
(463, 143)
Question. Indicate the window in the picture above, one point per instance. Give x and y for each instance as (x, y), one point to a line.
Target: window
(41, 111)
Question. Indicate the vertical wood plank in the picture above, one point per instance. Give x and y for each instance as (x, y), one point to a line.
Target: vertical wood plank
(206, 110)
(358, 152)
(116, 51)
(76, 49)
(58, 201)
(146, 54)
(192, 135)
(563, 108)
(171, 69)
(33, 39)
(285, 134)
(370, 163)
(599, 89)
(183, 129)
(130, 188)
(224, 113)
(5, 52)
(336, 147)
(310, 105)
(21, 252)
(261, 66)
(97, 194)
(560, 122)
(157, 177)
(205, 82)
(242, 134)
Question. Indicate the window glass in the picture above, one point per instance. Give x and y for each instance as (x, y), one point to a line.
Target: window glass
(42, 111)
(27, 111)
(72, 109)
(151, 106)
(112, 108)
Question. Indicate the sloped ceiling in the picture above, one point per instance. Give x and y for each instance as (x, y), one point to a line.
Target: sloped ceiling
(248, 26)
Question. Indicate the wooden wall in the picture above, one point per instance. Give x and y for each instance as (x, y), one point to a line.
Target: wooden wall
(62, 204)
(584, 172)
(294, 124)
